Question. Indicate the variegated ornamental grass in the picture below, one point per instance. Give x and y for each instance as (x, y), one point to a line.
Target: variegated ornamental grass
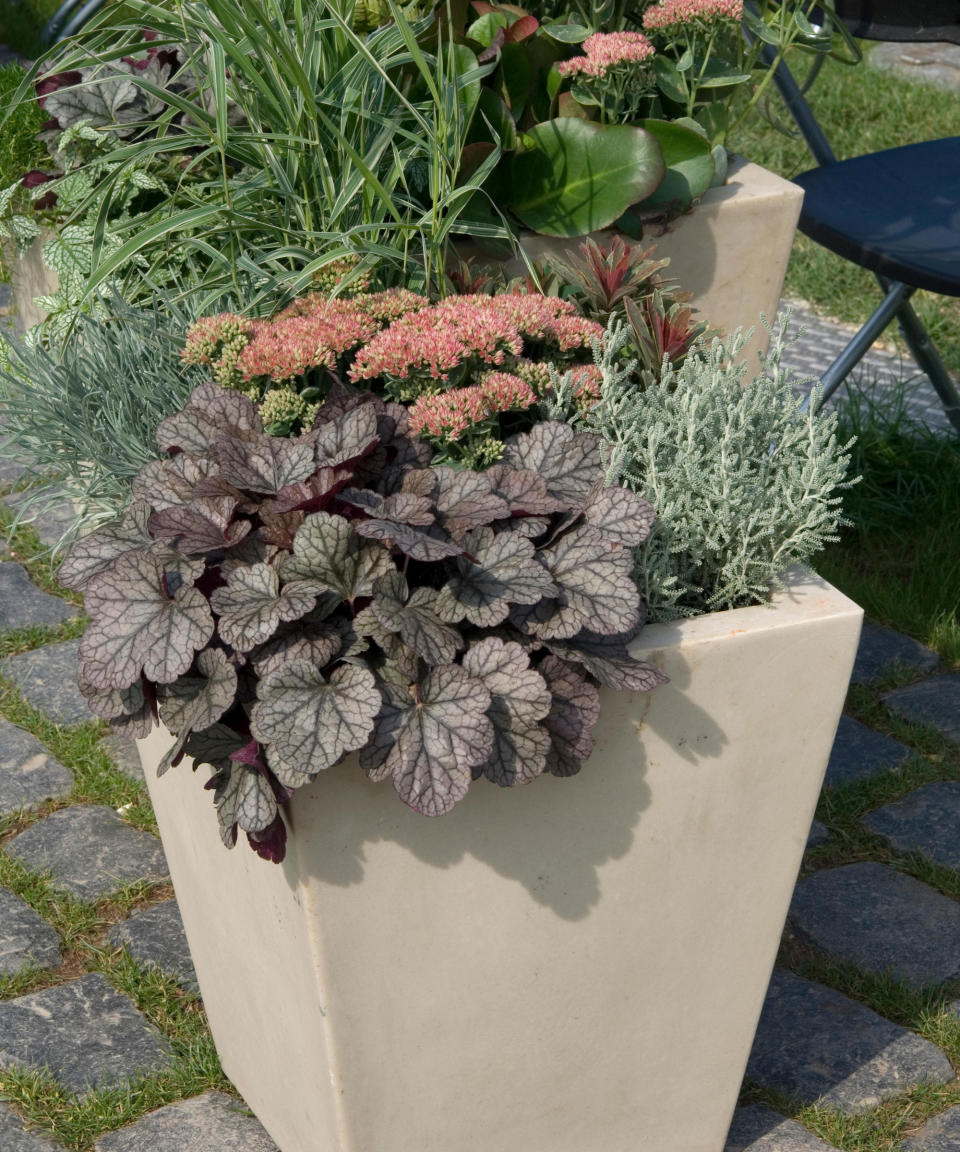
(280, 602)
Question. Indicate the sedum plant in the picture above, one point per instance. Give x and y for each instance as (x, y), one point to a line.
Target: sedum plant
(745, 481)
(281, 602)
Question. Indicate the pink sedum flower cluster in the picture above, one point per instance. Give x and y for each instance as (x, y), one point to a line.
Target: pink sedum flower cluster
(606, 50)
(670, 13)
(450, 414)
(436, 341)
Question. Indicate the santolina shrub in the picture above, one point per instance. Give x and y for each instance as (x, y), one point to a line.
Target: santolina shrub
(281, 602)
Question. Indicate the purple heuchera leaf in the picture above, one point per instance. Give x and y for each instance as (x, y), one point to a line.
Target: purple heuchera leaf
(428, 738)
(413, 619)
(197, 701)
(464, 500)
(620, 515)
(164, 483)
(252, 606)
(96, 552)
(347, 437)
(328, 551)
(574, 710)
(136, 628)
(211, 414)
(265, 464)
(608, 659)
(307, 722)
(519, 698)
(568, 461)
(204, 525)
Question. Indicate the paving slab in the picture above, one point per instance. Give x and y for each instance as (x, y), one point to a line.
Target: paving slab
(26, 940)
(872, 916)
(47, 679)
(758, 1129)
(14, 1135)
(939, 1134)
(123, 752)
(926, 820)
(935, 701)
(928, 63)
(882, 648)
(49, 519)
(23, 604)
(817, 1044)
(155, 936)
(29, 772)
(819, 834)
(86, 1033)
(89, 851)
(213, 1122)
(859, 753)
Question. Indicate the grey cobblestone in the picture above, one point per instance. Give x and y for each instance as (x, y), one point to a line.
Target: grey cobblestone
(156, 936)
(213, 1122)
(123, 752)
(50, 521)
(29, 774)
(47, 679)
(934, 701)
(859, 753)
(15, 1137)
(939, 1134)
(758, 1129)
(882, 648)
(90, 851)
(926, 820)
(881, 920)
(26, 939)
(84, 1032)
(23, 604)
(819, 1045)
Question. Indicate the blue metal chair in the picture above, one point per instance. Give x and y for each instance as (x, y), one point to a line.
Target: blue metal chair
(895, 212)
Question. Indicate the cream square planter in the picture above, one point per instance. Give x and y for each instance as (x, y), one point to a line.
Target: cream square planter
(574, 966)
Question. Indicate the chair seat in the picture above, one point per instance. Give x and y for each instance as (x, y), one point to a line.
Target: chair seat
(895, 212)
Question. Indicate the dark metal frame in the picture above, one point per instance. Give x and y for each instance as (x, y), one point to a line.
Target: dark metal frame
(896, 302)
(70, 17)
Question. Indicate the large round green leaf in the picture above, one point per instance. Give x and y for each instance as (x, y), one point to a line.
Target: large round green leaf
(575, 176)
(689, 162)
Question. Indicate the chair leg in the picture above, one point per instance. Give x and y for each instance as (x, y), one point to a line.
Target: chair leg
(896, 299)
(926, 355)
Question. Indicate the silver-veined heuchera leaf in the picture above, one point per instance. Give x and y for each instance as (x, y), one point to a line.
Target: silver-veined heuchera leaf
(127, 709)
(525, 492)
(214, 746)
(429, 738)
(203, 525)
(620, 515)
(348, 436)
(597, 590)
(255, 806)
(519, 698)
(464, 500)
(252, 605)
(608, 659)
(506, 572)
(317, 643)
(197, 702)
(306, 723)
(164, 483)
(265, 464)
(401, 507)
(413, 619)
(211, 413)
(135, 627)
(327, 550)
(568, 461)
(573, 713)
(96, 552)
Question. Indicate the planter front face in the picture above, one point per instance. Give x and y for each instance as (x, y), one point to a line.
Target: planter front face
(571, 966)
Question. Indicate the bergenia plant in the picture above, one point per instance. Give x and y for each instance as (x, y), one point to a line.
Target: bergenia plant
(282, 602)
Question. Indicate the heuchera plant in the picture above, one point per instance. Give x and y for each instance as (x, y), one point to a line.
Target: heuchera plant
(281, 602)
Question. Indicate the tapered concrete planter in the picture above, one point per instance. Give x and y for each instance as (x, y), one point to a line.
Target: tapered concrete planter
(573, 966)
(731, 251)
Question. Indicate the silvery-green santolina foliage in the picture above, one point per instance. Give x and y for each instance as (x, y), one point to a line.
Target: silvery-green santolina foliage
(743, 480)
(281, 602)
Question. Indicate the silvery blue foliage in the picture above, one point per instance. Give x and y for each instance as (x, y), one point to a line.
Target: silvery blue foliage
(745, 482)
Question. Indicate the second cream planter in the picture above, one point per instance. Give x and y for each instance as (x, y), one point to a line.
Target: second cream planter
(573, 966)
